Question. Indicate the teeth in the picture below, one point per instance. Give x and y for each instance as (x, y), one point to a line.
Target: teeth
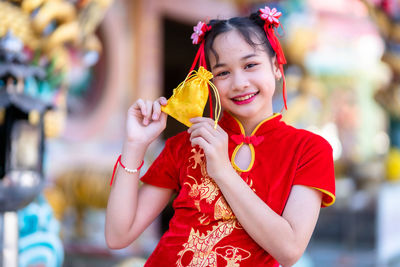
(244, 97)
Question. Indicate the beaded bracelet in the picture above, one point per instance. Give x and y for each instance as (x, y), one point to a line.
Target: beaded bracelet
(125, 168)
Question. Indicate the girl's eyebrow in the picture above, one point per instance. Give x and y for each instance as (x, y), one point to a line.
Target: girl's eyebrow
(248, 56)
(218, 65)
(243, 58)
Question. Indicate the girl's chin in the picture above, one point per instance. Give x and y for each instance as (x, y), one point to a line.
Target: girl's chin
(249, 114)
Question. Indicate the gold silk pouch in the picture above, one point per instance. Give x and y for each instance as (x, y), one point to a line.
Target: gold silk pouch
(190, 97)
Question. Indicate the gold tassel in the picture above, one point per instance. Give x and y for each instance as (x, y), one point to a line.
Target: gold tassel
(190, 97)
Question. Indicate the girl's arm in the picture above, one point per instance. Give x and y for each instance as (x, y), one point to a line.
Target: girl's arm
(284, 237)
(130, 210)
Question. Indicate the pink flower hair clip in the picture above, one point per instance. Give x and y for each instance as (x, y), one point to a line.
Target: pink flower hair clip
(271, 22)
(270, 15)
(199, 31)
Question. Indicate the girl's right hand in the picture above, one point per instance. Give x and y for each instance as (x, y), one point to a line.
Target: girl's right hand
(145, 121)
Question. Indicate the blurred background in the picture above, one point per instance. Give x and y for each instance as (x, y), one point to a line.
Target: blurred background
(69, 70)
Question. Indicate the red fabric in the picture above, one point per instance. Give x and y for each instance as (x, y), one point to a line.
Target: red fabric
(203, 230)
(240, 138)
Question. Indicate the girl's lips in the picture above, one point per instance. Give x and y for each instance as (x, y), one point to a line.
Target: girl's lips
(244, 99)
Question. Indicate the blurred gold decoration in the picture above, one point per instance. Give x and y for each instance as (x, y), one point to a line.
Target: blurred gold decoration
(18, 22)
(34, 117)
(54, 122)
(2, 115)
(393, 165)
(386, 18)
(61, 11)
(298, 44)
(48, 34)
(308, 87)
(50, 25)
(389, 96)
(78, 190)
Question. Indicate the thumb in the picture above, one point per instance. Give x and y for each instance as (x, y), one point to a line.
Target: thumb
(163, 117)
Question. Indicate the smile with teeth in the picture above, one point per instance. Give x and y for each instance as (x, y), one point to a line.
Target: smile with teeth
(242, 98)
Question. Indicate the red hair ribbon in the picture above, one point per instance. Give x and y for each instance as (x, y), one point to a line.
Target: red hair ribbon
(271, 18)
(254, 140)
(199, 31)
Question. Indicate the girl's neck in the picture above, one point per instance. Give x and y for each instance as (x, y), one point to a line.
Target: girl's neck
(249, 124)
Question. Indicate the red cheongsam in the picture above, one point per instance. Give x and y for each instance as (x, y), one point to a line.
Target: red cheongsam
(203, 231)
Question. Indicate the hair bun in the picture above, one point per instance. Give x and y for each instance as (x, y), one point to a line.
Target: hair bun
(255, 17)
(215, 21)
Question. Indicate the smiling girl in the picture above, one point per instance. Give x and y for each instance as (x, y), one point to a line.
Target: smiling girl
(249, 191)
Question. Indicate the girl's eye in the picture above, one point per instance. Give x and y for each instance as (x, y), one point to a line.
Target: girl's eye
(222, 73)
(250, 65)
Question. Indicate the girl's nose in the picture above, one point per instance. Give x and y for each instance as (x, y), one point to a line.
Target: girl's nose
(240, 81)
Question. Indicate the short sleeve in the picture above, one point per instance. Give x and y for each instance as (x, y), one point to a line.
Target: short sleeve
(164, 170)
(315, 168)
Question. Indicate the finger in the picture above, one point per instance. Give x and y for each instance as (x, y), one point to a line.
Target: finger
(140, 105)
(156, 110)
(205, 125)
(204, 133)
(220, 130)
(163, 101)
(149, 108)
(201, 119)
(223, 133)
(207, 121)
(163, 118)
(198, 141)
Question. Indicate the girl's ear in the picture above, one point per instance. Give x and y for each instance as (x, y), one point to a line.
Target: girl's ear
(275, 69)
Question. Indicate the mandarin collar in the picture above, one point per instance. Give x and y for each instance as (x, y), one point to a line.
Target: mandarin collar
(232, 124)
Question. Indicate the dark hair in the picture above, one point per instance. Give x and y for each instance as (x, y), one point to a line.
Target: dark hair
(248, 27)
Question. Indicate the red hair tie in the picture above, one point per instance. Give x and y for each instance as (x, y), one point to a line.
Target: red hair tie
(271, 18)
(199, 31)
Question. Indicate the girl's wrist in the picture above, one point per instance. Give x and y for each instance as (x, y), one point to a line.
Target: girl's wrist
(135, 143)
(133, 152)
(223, 171)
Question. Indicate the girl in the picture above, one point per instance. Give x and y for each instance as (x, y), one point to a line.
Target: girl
(248, 191)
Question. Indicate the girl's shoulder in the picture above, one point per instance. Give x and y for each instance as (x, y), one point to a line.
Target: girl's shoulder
(306, 137)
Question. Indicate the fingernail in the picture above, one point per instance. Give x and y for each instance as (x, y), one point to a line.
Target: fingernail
(154, 116)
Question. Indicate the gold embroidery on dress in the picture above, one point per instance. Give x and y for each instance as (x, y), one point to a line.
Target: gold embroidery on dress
(249, 181)
(203, 245)
(222, 210)
(197, 157)
(232, 255)
(206, 190)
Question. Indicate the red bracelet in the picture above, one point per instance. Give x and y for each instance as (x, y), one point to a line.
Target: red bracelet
(125, 168)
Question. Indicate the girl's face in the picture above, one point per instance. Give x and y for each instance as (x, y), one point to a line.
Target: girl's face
(244, 76)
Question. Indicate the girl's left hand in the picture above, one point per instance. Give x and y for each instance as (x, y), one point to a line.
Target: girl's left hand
(214, 142)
